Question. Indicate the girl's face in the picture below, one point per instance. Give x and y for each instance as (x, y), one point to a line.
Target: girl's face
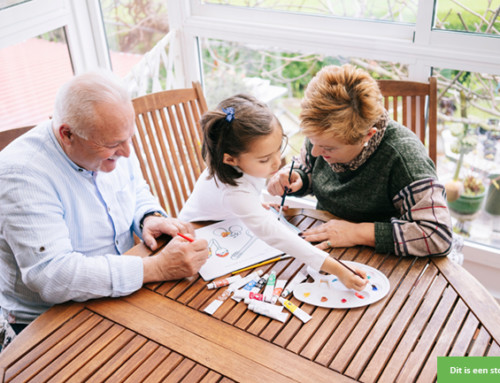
(263, 158)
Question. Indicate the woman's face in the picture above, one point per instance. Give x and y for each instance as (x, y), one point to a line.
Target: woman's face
(334, 151)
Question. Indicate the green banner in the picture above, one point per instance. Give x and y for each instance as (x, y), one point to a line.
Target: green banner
(467, 369)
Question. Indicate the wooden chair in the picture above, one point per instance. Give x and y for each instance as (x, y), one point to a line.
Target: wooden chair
(408, 101)
(168, 143)
(7, 136)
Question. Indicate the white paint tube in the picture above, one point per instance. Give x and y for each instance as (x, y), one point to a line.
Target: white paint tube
(268, 309)
(253, 297)
(217, 302)
(247, 283)
(295, 310)
(223, 282)
(278, 289)
(268, 291)
(299, 277)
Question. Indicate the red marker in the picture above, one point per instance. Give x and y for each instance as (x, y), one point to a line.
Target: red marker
(185, 237)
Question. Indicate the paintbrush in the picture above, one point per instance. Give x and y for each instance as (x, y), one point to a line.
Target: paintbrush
(285, 192)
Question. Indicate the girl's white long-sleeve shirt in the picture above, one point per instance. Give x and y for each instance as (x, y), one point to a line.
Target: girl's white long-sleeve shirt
(214, 201)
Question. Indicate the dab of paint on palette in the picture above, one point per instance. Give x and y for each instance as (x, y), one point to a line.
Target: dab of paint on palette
(328, 291)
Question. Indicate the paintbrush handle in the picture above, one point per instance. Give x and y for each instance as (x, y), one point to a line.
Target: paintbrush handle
(347, 267)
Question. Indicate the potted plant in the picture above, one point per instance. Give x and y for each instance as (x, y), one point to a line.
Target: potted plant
(465, 195)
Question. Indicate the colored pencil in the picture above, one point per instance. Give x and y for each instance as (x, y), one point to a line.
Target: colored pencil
(185, 237)
(262, 263)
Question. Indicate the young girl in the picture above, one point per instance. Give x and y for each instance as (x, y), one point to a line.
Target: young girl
(242, 147)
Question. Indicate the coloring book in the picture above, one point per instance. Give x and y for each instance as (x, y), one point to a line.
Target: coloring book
(232, 246)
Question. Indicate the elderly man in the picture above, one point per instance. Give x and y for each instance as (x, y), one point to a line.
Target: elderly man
(71, 198)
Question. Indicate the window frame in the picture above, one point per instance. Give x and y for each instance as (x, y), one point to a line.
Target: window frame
(418, 45)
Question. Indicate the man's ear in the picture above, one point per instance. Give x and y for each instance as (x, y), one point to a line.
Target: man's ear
(229, 160)
(65, 134)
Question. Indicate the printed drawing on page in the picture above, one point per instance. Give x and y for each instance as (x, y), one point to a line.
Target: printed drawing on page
(232, 246)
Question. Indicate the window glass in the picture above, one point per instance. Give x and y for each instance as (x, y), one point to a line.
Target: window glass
(276, 77)
(30, 74)
(469, 115)
(391, 10)
(478, 16)
(467, 102)
(9, 3)
(133, 27)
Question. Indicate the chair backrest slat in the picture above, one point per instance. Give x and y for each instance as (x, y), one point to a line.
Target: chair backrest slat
(420, 115)
(168, 143)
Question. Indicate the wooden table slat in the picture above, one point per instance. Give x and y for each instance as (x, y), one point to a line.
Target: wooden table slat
(117, 338)
(479, 300)
(388, 306)
(196, 374)
(73, 353)
(378, 320)
(118, 359)
(350, 321)
(419, 356)
(180, 371)
(211, 339)
(494, 349)
(53, 348)
(464, 339)
(148, 365)
(481, 343)
(134, 362)
(388, 372)
(166, 367)
(385, 335)
(211, 377)
(443, 344)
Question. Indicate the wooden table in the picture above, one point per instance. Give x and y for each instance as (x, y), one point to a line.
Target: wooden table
(161, 333)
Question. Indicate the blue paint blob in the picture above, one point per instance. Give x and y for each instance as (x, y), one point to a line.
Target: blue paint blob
(334, 280)
(375, 288)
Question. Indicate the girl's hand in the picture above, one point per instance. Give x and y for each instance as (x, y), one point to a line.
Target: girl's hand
(339, 233)
(352, 281)
(278, 182)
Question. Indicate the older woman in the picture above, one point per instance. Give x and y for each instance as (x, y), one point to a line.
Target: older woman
(369, 171)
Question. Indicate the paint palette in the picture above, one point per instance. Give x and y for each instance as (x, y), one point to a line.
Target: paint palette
(328, 291)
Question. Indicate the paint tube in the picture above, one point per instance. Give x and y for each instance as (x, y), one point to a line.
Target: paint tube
(299, 277)
(246, 283)
(268, 291)
(278, 289)
(215, 304)
(268, 309)
(295, 310)
(253, 296)
(223, 282)
(260, 284)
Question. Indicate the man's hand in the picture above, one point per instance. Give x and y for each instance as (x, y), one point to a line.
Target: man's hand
(156, 226)
(179, 259)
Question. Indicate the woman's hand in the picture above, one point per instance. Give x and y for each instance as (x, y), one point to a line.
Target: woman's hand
(339, 233)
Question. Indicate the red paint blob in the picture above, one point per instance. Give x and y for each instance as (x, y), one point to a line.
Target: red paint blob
(324, 299)
(344, 300)
(359, 296)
